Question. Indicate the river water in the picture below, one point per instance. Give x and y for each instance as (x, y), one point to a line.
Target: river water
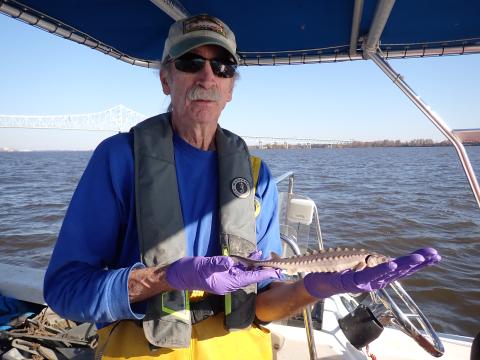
(393, 200)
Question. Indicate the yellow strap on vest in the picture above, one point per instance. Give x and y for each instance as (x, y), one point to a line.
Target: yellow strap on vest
(210, 341)
(227, 296)
(182, 311)
(256, 164)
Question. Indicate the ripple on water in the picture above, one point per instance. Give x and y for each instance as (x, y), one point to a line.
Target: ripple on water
(392, 200)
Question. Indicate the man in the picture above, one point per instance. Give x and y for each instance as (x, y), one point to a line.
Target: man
(143, 247)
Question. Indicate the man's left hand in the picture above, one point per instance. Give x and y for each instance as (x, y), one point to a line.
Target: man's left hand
(323, 285)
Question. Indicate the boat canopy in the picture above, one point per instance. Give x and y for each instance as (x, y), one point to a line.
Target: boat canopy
(279, 32)
(268, 32)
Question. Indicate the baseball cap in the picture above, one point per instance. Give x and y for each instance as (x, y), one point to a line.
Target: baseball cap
(192, 32)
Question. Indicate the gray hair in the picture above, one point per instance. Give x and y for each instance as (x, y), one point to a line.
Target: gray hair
(163, 65)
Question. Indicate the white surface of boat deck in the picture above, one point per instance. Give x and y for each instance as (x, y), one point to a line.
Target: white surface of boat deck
(331, 344)
(391, 345)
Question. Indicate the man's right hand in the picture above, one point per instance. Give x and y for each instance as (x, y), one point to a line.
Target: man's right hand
(216, 274)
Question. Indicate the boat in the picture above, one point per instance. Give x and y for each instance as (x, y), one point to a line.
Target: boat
(293, 33)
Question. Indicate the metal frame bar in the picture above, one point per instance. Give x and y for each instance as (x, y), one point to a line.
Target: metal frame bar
(382, 13)
(357, 17)
(433, 117)
(290, 175)
(31, 17)
(252, 59)
(318, 228)
(67, 32)
(370, 51)
(307, 312)
(428, 340)
(172, 8)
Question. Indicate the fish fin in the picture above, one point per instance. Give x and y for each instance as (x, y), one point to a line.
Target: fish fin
(274, 256)
(360, 266)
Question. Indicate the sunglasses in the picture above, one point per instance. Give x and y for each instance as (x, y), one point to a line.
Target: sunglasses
(192, 63)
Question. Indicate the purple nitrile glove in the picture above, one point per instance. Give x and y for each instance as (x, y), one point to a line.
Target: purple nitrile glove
(323, 285)
(216, 274)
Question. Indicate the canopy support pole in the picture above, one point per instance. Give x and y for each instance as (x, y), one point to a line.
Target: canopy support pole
(433, 117)
(382, 13)
(171, 8)
(357, 17)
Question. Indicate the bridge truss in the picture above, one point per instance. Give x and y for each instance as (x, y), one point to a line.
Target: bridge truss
(121, 119)
(117, 119)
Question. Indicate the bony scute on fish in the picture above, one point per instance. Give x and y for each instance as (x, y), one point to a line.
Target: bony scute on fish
(328, 260)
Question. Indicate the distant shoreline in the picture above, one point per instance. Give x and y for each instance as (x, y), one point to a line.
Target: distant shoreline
(281, 146)
(2, 151)
(361, 144)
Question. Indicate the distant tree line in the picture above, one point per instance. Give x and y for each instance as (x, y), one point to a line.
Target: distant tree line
(398, 143)
(360, 144)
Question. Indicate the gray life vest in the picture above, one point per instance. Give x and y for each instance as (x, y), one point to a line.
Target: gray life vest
(161, 230)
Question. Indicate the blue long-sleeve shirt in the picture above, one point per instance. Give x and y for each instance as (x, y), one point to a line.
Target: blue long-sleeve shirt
(97, 247)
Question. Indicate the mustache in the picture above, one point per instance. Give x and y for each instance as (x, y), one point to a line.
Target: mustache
(199, 93)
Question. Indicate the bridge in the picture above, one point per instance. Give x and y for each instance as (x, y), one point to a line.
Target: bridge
(268, 142)
(117, 119)
(121, 119)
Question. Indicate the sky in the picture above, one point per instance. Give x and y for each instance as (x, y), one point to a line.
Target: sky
(42, 74)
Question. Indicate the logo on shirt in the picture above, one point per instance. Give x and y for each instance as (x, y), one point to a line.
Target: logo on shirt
(241, 187)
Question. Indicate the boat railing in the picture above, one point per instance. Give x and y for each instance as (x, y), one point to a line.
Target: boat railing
(290, 177)
(291, 241)
(307, 311)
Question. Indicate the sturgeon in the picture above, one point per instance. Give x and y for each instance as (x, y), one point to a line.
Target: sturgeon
(328, 260)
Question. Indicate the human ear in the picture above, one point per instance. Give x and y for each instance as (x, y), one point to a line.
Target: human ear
(164, 81)
(230, 93)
